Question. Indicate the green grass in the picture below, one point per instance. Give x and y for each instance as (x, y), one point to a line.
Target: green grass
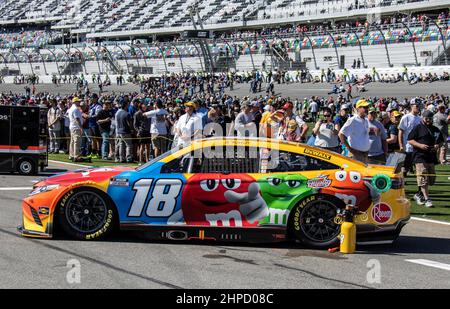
(440, 192)
(96, 163)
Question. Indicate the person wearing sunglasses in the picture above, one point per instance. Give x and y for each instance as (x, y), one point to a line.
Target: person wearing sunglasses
(377, 136)
(326, 133)
(426, 139)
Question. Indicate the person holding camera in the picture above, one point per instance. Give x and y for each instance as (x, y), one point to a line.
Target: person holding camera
(426, 139)
(326, 132)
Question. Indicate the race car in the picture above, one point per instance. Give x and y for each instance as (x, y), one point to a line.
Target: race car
(224, 189)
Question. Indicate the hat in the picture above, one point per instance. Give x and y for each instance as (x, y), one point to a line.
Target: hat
(288, 105)
(292, 125)
(189, 104)
(372, 110)
(384, 115)
(427, 114)
(344, 106)
(362, 103)
(76, 100)
(256, 104)
(414, 102)
(396, 113)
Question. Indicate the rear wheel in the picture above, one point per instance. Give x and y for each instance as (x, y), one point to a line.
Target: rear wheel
(312, 221)
(86, 214)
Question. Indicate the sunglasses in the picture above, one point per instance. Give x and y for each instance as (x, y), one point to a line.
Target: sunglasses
(327, 115)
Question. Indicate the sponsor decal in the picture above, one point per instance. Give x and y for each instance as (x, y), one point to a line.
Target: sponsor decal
(119, 182)
(298, 209)
(319, 182)
(381, 213)
(318, 154)
(44, 211)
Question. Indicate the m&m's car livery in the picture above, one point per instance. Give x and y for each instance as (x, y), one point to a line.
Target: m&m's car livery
(224, 189)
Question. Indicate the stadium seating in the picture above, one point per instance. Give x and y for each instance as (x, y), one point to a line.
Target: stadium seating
(114, 15)
(247, 49)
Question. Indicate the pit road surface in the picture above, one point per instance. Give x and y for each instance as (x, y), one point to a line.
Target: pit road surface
(130, 261)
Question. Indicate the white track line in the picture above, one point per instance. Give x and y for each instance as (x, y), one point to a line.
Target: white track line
(15, 188)
(430, 264)
(430, 221)
(67, 163)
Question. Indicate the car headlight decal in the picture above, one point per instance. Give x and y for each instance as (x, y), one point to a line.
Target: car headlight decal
(43, 189)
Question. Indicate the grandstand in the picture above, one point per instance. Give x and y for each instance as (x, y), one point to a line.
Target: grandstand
(46, 37)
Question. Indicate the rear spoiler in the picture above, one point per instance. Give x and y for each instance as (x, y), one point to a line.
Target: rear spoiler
(396, 160)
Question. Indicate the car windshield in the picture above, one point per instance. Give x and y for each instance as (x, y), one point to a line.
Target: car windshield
(164, 155)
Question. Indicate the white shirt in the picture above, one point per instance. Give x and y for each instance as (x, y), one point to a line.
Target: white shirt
(356, 129)
(74, 113)
(188, 125)
(407, 124)
(314, 107)
(158, 121)
(325, 138)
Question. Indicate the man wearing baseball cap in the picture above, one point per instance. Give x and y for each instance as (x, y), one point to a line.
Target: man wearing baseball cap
(392, 132)
(425, 139)
(406, 125)
(355, 133)
(244, 124)
(289, 115)
(188, 126)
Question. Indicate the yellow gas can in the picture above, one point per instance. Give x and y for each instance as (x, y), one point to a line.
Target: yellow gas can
(348, 231)
(348, 237)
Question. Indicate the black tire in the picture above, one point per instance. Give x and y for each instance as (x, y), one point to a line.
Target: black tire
(312, 221)
(86, 214)
(26, 167)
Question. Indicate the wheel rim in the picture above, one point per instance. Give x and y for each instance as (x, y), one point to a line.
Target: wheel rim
(25, 167)
(86, 212)
(317, 221)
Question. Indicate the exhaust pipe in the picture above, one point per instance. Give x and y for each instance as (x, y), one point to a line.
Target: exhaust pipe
(177, 235)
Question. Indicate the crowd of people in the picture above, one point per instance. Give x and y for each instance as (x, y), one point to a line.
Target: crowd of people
(171, 111)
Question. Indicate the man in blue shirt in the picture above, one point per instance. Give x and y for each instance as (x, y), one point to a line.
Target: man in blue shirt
(124, 125)
(94, 108)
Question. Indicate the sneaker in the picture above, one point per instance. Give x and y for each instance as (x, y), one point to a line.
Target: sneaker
(419, 199)
(429, 204)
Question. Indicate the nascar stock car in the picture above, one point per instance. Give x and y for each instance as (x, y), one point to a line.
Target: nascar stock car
(249, 190)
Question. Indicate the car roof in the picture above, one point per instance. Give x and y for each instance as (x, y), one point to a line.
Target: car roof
(319, 153)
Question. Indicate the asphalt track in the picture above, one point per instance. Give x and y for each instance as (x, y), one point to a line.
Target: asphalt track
(400, 90)
(130, 261)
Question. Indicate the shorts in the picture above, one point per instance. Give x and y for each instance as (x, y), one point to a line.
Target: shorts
(159, 142)
(378, 160)
(424, 172)
(360, 156)
(143, 138)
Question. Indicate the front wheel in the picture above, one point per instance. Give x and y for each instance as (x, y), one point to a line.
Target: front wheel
(86, 214)
(312, 221)
(26, 167)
